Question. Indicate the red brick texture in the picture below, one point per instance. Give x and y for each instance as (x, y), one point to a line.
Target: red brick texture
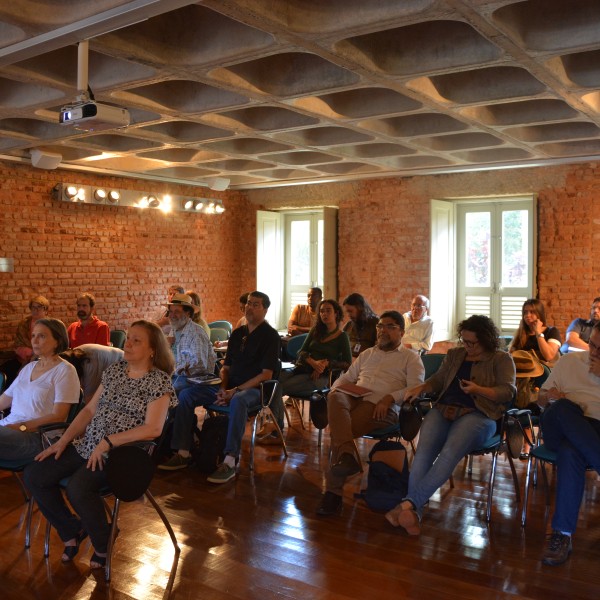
(125, 256)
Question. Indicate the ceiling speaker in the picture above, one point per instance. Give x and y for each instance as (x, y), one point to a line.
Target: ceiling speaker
(45, 160)
(219, 184)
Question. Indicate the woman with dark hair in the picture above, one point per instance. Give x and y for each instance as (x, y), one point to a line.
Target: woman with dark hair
(43, 392)
(130, 405)
(360, 327)
(534, 335)
(475, 385)
(326, 347)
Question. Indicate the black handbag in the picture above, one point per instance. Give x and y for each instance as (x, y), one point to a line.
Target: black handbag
(410, 419)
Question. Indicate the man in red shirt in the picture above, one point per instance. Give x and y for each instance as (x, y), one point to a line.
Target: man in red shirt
(89, 329)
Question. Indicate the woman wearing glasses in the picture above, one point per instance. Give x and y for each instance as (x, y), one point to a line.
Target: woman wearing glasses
(475, 385)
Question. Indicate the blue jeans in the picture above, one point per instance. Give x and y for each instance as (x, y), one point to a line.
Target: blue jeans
(18, 445)
(180, 382)
(189, 398)
(83, 491)
(442, 444)
(576, 440)
(239, 406)
(301, 385)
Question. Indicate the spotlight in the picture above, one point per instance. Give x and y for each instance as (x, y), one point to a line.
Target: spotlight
(210, 209)
(113, 197)
(143, 203)
(199, 205)
(188, 204)
(100, 195)
(219, 208)
(71, 193)
(153, 202)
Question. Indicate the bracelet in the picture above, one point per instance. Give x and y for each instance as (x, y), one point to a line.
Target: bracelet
(107, 440)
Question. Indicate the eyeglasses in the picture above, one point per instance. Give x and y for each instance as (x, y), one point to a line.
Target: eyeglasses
(388, 326)
(37, 307)
(468, 343)
(418, 306)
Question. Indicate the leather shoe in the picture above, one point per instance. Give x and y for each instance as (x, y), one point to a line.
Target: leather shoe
(558, 548)
(409, 520)
(345, 466)
(331, 504)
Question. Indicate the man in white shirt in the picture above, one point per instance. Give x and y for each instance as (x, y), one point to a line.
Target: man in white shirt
(386, 370)
(571, 426)
(418, 326)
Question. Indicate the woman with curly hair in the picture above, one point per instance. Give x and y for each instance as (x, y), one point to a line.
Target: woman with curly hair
(475, 385)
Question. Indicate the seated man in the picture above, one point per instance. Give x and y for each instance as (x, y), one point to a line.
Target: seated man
(89, 329)
(194, 354)
(571, 427)
(418, 326)
(304, 316)
(252, 357)
(361, 325)
(386, 370)
(579, 331)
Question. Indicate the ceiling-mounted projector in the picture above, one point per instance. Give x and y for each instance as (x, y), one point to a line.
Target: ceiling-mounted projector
(93, 116)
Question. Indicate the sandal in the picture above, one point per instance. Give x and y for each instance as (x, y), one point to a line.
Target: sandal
(70, 552)
(97, 561)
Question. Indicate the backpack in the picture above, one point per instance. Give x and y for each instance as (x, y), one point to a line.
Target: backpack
(386, 486)
(210, 449)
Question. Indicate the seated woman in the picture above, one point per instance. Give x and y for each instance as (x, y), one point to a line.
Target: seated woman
(197, 318)
(326, 347)
(38, 307)
(130, 405)
(475, 384)
(534, 335)
(43, 392)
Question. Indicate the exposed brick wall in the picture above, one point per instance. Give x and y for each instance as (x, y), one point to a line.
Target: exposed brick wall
(127, 257)
(383, 230)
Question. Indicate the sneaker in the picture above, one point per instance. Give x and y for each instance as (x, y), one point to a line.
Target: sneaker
(176, 462)
(557, 550)
(331, 504)
(345, 466)
(223, 474)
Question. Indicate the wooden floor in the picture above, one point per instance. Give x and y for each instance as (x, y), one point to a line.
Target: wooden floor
(258, 538)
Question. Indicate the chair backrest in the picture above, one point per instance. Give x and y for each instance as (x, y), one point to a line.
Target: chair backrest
(2, 381)
(118, 338)
(217, 334)
(226, 325)
(432, 363)
(294, 344)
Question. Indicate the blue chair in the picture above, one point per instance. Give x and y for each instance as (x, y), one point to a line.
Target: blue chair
(432, 363)
(118, 337)
(268, 392)
(218, 334)
(226, 325)
(294, 344)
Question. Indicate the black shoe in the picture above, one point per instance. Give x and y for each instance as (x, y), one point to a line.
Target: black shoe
(557, 550)
(345, 466)
(331, 504)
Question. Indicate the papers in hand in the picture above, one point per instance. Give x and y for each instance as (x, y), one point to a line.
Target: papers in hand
(354, 390)
(205, 380)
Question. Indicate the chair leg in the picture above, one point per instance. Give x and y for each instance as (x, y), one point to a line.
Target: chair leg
(296, 406)
(28, 523)
(47, 540)
(514, 475)
(111, 539)
(526, 492)
(488, 511)
(279, 432)
(164, 519)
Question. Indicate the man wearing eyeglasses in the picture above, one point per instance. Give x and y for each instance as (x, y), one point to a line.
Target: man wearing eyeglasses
(385, 370)
(418, 334)
(571, 426)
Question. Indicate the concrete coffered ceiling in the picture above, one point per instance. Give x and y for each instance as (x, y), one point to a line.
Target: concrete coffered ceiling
(279, 92)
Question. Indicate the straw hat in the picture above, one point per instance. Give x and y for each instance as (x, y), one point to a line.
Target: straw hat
(183, 300)
(526, 364)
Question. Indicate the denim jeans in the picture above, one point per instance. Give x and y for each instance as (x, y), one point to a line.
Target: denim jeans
(239, 405)
(442, 444)
(189, 398)
(18, 445)
(180, 382)
(83, 491)
(301, 384)
(576, 440)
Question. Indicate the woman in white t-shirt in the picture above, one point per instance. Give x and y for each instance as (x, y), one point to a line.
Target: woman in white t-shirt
(42, 393)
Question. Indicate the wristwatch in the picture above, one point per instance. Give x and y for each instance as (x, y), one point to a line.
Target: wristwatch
(23, 427)
(539, 335)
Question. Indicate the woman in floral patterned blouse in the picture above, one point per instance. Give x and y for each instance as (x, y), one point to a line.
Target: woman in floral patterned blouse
(130, 405)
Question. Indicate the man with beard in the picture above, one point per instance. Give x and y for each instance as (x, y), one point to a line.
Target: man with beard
(194, 354)
(571, 426)
(386, 370)
(579, 331)
(89, 329)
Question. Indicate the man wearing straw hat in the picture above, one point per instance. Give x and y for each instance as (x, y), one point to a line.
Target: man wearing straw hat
(194, 354)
